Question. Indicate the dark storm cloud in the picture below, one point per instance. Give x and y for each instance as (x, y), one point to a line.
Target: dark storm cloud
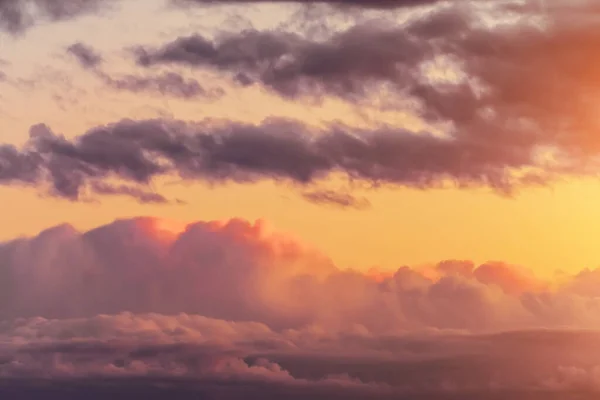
(166, 83)
(18, 15)
(336, 199)
(277, 149)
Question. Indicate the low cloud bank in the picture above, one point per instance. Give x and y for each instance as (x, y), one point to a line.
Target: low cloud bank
(205, 355)
(230, 309)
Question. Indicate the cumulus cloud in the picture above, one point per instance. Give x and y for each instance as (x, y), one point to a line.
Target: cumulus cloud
(231, 308)
(236, 270)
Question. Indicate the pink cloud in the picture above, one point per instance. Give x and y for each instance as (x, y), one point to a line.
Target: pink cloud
(244, 271)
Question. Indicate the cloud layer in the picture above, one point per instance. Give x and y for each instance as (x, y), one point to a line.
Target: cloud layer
(502, 82)
(229, 308)
(493, 93)
(202, 354)
(278, 149)
(236, 270)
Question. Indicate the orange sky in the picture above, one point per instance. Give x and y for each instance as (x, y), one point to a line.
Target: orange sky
(545, 229)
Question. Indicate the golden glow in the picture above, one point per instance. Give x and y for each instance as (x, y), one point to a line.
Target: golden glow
(549, 230)
(169, 226)
(544, 229)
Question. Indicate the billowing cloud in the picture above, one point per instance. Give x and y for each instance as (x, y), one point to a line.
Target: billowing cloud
(238, 271)
(230, 309)
(227, 309)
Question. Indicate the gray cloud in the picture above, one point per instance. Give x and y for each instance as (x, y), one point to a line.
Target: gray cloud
(510, 79)
(337, 199)
(142, 196)
(504, 108)
(291, 64)
(281, 150)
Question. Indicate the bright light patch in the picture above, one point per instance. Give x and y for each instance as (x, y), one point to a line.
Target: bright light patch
(167, 229)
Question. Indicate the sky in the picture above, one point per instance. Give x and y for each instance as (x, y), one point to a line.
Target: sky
(45, 84)
(336, 199)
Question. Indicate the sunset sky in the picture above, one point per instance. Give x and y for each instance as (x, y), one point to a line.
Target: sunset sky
(420, 167)
(548, 228)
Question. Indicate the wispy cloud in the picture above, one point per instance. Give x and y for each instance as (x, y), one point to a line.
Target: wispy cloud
(18, 15)
(336, 199)
(143, 196)
(166, 83)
